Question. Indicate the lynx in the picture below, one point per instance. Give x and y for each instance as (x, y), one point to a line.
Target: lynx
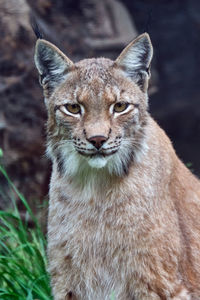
(124, 212)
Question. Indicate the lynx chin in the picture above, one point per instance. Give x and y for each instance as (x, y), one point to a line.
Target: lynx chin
(124, 212)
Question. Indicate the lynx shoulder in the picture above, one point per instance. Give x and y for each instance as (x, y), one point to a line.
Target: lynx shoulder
(124, 212)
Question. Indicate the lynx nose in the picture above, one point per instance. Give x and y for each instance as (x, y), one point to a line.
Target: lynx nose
(97, 140)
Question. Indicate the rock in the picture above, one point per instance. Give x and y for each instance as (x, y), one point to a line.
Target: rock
(86, 28)
(174, 27)
(106, 31)
(22, 112)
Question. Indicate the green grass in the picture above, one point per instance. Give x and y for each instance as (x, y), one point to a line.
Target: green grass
(23, 261)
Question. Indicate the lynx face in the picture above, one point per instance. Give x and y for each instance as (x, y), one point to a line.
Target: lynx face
(97, 107)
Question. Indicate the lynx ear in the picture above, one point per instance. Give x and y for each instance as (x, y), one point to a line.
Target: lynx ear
(135, 60)
(52, 65)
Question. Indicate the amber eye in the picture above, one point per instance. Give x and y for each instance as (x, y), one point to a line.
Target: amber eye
(73, 108)
(120, 106)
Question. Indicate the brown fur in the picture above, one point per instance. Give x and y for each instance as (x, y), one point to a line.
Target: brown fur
(128, 222)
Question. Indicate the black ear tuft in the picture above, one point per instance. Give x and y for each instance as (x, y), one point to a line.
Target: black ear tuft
(36, 28)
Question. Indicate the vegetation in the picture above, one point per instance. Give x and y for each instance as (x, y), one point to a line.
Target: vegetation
(23, 261)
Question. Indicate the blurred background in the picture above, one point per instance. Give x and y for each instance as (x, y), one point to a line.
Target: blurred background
(86, 28)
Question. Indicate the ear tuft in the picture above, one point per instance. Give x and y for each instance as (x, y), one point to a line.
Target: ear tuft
(135, 60)
(52, 64)
(35, 27)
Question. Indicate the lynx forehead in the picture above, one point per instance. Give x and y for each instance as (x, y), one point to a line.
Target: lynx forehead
(124, 211)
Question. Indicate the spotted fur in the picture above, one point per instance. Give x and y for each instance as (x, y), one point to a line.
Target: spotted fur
(124, 218)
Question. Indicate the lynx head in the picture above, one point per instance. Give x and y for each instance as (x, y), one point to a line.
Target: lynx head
(97, 108)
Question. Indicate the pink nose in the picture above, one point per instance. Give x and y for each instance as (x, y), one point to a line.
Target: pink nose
(97, 140)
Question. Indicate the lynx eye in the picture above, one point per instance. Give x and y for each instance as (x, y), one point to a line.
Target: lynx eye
(120, 106)
(73, 108)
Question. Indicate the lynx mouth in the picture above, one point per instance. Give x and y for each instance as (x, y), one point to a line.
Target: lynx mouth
(98, 159)
(97, 154)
